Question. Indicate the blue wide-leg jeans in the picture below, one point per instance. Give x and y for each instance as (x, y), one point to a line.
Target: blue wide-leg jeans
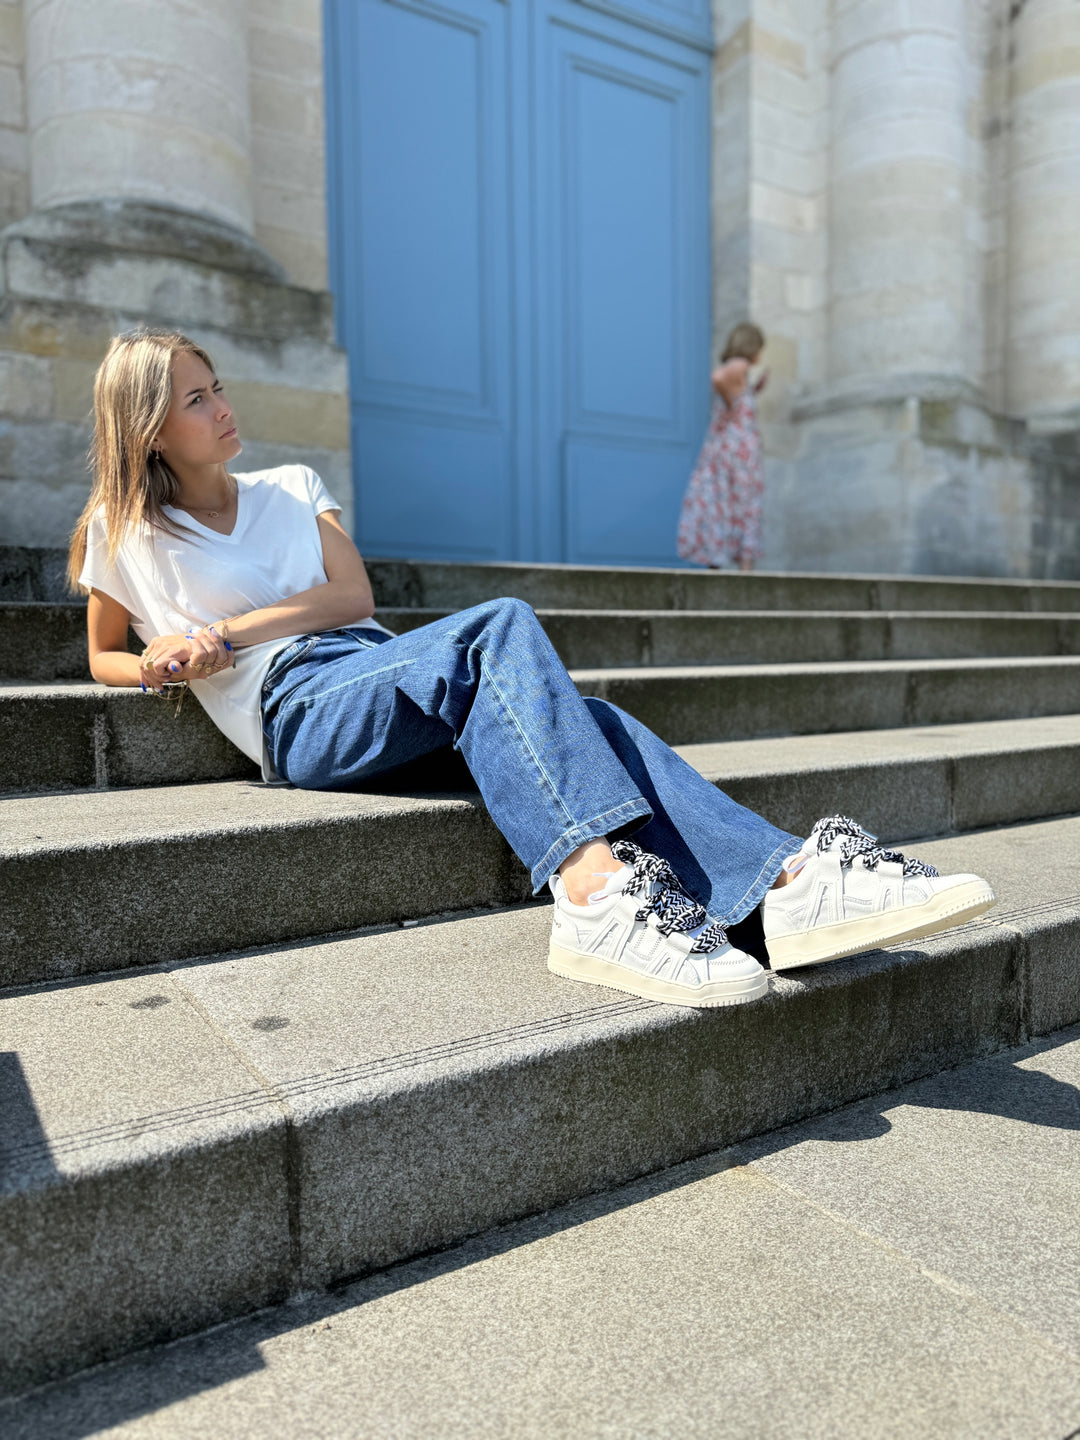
(554, 770)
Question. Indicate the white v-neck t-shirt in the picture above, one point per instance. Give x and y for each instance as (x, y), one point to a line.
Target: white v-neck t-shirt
(170, 584)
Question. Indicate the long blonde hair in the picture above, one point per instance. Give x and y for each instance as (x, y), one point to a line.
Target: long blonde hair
(132, 394)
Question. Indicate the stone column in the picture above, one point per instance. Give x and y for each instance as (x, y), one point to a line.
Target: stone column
(142, 190)
(896, 231)
(1043, 347)
(140, 102)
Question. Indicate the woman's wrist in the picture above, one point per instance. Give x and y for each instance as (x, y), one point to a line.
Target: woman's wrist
(220, 631)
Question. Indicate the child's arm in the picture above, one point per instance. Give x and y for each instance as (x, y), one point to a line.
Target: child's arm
(729, 379)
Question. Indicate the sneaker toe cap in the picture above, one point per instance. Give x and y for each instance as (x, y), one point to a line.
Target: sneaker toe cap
(942, 883)
(728, 963)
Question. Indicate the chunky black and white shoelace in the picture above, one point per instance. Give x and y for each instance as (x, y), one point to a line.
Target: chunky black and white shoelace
(854, 841)
(675, 911)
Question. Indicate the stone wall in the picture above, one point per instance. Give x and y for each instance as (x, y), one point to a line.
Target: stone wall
(14, 151)
(288, 156)
(897, 204)
(896, 200)
(184, 191)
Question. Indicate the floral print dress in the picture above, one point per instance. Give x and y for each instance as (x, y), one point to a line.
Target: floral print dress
(720, 522)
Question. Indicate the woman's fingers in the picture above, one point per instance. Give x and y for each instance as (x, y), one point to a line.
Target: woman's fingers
(208, 655)
(150, 677)
(194, 656)
(163, 659)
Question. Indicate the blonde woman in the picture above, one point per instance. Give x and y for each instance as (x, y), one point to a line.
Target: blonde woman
(720, 524)
(246, 588)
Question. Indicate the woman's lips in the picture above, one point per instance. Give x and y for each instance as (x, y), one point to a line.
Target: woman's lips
(228, 433)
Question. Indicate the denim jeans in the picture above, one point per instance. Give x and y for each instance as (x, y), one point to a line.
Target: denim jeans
(554, 770)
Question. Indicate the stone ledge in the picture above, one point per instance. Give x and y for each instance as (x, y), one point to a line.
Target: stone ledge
(453, 586)
(419, 1085)
(155, 848)
(887, 390)
(148, 229)
(70, 735)
(41, 642)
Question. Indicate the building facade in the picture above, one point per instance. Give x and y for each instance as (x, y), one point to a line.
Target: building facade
(491, 327)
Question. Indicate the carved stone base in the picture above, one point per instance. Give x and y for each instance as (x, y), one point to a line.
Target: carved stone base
(72, 277)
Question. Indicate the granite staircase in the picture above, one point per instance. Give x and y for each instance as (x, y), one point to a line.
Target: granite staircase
(256, 1042)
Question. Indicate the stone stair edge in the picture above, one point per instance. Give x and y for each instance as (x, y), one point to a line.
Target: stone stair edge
(83, 689)
(72, 734)
(447, 782)
(82, 848)
(41, 642)
(522, 1117)
(28, 570)
(683, 617)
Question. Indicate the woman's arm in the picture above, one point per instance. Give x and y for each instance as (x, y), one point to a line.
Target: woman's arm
(167, 657)
(106, 632)
(729, 379)
(344, 599)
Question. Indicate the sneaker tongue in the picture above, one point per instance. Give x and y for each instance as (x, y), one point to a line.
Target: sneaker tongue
(615, 883)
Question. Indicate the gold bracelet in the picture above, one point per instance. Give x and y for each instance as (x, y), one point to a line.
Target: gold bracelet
(220, 628)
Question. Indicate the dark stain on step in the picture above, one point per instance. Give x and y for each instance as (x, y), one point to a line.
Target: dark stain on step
(150, 1002)
(269, 1022)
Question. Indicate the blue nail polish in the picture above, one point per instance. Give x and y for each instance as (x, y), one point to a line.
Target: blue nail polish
(228, 646)
(142, 686)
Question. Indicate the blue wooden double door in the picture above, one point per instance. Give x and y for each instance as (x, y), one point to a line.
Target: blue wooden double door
(520, 247)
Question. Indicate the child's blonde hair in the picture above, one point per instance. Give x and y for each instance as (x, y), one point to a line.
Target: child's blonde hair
(744, 343)
(132, 394)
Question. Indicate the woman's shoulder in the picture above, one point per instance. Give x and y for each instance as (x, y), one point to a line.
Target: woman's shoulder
(281, 484)
(278, 477)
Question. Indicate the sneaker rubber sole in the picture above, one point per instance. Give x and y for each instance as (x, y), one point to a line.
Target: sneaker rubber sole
(890, 927)
(594, 970)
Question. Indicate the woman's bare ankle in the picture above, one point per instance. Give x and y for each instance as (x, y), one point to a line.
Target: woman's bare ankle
(583, 871)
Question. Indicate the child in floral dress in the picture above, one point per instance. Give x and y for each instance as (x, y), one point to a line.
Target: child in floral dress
(720, 522)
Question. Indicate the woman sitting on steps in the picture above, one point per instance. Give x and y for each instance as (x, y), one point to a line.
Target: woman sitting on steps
(247, 588)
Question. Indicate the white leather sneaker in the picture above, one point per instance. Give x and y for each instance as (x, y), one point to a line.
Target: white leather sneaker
(850, 895)
(643, 934)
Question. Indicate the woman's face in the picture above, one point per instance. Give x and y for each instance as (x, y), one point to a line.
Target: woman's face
(200, 428)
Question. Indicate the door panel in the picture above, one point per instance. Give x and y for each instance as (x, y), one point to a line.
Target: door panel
(423, 280)
(519, 215)
(421, 287)
(623, 270)
(621, 248)
(623, 501)
(434, 482)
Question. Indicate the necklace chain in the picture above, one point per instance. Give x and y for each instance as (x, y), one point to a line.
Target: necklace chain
(206, 510)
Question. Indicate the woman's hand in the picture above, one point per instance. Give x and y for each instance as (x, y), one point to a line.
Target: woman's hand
(163, 660)
(208, 655)
(195, 656)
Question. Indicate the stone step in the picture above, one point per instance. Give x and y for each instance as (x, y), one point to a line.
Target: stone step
(27, 574)
(190, 1143)
(71, 735)
(930, 1230)
(40, 642)
(120, 868)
